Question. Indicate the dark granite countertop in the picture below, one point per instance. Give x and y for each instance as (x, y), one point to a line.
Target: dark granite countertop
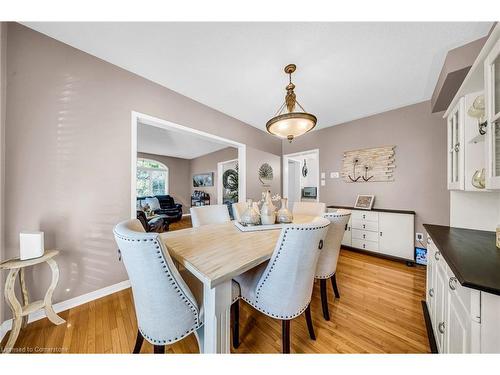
(375, 209)
(471, 254)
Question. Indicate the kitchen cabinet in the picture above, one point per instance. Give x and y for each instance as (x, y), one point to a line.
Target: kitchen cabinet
(492, 99)
(454, 310)
(456, 146)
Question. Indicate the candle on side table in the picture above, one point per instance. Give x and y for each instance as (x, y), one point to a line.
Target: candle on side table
(31, 245)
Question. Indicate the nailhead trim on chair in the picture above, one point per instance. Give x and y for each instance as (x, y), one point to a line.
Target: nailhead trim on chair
(198, 324)
(259, 287)
(325, 277)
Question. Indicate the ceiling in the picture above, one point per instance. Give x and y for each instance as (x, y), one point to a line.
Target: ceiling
(158, 141)
(345, 71)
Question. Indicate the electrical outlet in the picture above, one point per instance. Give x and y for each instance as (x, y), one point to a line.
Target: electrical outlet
(334, 175)
(419, 236)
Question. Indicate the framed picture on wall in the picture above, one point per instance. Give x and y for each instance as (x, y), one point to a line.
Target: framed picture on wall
(203, 179)
(364, 202)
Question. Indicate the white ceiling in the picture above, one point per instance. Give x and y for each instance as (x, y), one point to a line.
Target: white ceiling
(158, 141)
(345, 70)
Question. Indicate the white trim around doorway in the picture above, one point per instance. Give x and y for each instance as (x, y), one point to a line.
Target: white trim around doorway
(285, 169)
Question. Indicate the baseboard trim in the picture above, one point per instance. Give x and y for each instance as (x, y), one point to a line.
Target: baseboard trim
(428, 327)
(68, 304)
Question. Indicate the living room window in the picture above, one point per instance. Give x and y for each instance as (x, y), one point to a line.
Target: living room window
(152, 178)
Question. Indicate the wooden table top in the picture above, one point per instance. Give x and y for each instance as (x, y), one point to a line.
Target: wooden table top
(18, 263)
(218, 252)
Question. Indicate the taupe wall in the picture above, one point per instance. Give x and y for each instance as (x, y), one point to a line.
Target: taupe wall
(178, 178)
(208, 163)
(3, 46)
(68, 147)
(255, 158)
(420, 173)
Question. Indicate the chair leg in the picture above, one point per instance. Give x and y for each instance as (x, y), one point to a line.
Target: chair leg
(138, 343)
(159, 349)
(285, 336)
(334, 285)
(309, 321)
(324, 298)
(236, 324)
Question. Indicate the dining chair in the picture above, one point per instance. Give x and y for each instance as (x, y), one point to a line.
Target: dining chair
(238, 210)
(309, 208)
(282, 288)
(168, 303)
(212, 214)
(327, 262)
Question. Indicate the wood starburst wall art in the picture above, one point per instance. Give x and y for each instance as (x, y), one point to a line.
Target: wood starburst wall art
(369, 165)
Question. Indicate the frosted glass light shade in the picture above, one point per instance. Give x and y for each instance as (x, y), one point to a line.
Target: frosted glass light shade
(291, 125)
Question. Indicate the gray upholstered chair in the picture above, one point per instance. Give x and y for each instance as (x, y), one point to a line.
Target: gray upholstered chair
(309, 208)
(327, 262)
(167, 308)
(282, 287)
(238, 210)
(213, 214)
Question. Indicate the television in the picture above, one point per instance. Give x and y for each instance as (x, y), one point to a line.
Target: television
(309, 192)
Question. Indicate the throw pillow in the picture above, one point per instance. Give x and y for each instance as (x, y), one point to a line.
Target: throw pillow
(154, 203)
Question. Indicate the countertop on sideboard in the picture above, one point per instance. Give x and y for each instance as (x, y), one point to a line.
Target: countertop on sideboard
(374, 209)
(471, 254)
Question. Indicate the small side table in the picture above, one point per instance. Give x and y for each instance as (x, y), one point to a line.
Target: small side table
(20, 312)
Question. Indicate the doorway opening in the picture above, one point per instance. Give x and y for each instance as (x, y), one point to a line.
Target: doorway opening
(170, 143)
(301, 176)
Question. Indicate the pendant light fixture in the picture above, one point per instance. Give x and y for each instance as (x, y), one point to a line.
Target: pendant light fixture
(291, 124)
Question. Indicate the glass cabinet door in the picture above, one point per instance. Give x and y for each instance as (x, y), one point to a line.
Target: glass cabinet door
(455, 145)
(492, 84)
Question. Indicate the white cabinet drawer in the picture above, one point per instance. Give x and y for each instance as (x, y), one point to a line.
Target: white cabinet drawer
(364, 235)
(365, 225)
(365, 245)
(364, 215)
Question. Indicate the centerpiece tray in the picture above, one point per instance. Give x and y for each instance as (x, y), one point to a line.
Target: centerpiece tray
(255, 228)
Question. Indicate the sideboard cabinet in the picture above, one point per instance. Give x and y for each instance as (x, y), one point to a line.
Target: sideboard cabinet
(387, 232)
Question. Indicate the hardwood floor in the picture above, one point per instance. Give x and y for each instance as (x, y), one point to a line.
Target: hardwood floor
(183, 223)
(379, 311)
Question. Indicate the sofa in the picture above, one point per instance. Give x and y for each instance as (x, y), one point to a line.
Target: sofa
(168, 207)
(158, 224)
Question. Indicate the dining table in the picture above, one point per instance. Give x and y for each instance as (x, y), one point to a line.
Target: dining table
(215, 254)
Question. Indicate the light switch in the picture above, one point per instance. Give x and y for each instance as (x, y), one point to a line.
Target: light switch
(334, 175)
(323, 182)
(323, 175)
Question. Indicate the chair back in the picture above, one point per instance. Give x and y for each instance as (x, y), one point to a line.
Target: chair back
(238, 210)
(327, 262)
(285, 288)
(166, 309)
(309, 208)
(213, 214)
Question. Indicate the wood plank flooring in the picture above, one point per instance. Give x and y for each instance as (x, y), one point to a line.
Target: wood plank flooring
(379, 311)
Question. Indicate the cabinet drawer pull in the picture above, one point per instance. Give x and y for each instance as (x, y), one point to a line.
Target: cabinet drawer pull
(380, 234)
(453, 283)
(441, 327)
(429, 240)
(457, 147)
(364, 226)
(346, 227)
(437, 254)
(364, 236)
(431, 292)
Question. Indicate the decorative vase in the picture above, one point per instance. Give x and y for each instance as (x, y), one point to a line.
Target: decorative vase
(284, 215)
(478, 179)
(250, 216)
(267, 211)
(304, 169)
